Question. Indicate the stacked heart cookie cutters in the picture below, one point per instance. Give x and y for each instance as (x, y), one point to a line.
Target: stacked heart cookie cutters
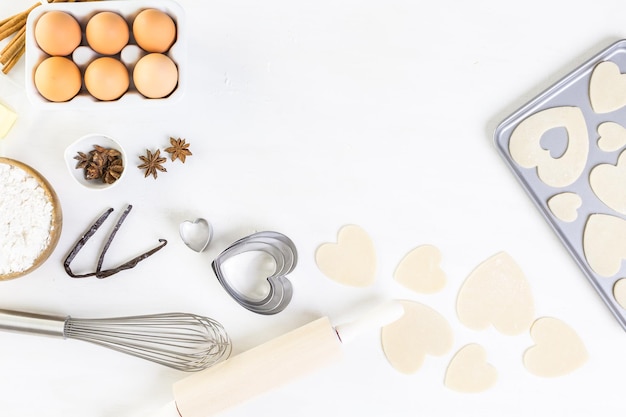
(197, 235)
(567, 148)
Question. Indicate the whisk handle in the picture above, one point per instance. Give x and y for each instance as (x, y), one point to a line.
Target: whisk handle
(17, 321)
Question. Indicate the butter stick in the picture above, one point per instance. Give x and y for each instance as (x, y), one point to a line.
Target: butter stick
(7, 119)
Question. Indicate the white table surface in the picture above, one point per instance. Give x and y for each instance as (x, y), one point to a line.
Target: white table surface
(304, 117)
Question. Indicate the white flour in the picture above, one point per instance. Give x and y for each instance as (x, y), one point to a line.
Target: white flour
(25, 219)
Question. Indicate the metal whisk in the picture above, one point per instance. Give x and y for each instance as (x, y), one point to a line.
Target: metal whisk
(179, 340)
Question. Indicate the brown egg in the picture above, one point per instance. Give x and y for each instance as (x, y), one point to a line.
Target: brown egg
(57, 79)
(57, 33)
(107, 33)
(106, 79)
(154, 30)
(155, 75)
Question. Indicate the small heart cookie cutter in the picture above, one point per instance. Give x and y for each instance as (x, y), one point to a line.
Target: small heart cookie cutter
(196, 234)
(284, 254)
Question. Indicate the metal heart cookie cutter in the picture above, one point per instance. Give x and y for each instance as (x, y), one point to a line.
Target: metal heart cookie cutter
(196, 234)
(284, 254)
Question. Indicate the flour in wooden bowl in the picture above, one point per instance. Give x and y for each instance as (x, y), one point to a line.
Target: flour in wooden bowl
(30, 219)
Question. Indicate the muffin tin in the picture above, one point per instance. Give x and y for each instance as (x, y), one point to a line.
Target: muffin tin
(557, 149)
(83, 55)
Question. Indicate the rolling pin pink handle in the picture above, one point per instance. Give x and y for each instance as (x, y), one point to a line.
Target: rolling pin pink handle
(375, 319)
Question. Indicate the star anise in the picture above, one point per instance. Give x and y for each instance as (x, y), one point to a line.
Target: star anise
(113, 172)
(152, 163)
(99, 158)
(83, 160)
(178, 150)
(93, 171)
(104, 164)
(109, 153)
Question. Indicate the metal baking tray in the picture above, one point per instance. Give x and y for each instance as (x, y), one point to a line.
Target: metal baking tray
(573, 91)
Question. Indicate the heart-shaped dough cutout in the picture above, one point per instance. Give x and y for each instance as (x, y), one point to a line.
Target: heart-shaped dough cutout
(604, 243)
(352, 260)
(558, 349)
(496, 293)
(419, 332)
(196, 234)
(607, 182)
(565, 206)
(619, 292)
(469, 371)
(526, 149)
(612, 136)
(607, 88)
(420, 270)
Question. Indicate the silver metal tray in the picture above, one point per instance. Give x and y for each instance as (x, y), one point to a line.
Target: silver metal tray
(573, 91)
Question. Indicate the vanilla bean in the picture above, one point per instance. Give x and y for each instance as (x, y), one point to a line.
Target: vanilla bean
(99, 273)
(132, 263)
(111, 236)
(81, 242)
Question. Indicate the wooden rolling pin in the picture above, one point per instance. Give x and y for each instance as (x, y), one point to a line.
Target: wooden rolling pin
(270, 365)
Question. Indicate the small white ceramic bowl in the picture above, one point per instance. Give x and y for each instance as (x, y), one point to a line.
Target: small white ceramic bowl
(86, 145)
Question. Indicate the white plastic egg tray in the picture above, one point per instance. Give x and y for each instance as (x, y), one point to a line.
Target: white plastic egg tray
(83, 55)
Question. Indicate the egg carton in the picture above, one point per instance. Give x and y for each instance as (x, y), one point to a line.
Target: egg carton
(83, 54)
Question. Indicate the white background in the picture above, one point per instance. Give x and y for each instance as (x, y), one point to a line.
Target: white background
(304, 117)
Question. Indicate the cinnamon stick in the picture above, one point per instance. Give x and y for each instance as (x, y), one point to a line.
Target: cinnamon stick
(13, 23)
(12, 26)
(19, 41)
(13, 60)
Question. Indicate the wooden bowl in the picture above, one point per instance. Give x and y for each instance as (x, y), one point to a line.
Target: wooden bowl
(57, 218)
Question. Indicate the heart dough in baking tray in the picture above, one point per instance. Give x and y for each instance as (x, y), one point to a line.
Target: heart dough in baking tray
(567, 147)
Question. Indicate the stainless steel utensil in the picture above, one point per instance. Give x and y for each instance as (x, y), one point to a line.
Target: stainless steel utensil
(179, 340)
(285, 256)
